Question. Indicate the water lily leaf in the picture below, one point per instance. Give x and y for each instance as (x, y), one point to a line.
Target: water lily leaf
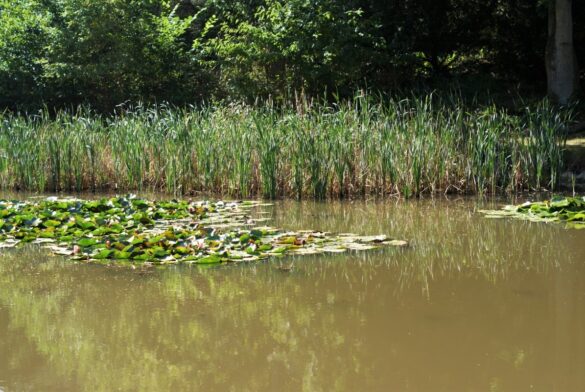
(43, 240)
(358, 246)
(101, 231)
(398, 243)
(256, 233)
(252, 250)
(138, 241)
(116, 228)
(61, 205)
(120, 255)
(128, 248)
(333, 249)
(9, 243)
(577, 217)
(558, 202)
(558, 209)
(142, 218)
(51, 223)
(85, 242)
(140, 204)
(154, 240)
(211, 259)
(306, 251)
(33, 222)
(85, 225)
(182, 250)
(103, 254)
(159, 252)
(373, 238)
(60, 250)
(128, 228)
(47, 234)
(287, 240)
(142, 256)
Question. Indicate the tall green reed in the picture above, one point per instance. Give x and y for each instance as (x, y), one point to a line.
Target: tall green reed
(366, 145)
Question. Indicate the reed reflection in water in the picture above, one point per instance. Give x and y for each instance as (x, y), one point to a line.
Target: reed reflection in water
(472, 304)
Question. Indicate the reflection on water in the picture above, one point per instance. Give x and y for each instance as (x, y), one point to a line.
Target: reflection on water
(472, 305)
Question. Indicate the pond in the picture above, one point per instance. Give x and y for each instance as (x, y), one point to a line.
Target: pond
(472, 304)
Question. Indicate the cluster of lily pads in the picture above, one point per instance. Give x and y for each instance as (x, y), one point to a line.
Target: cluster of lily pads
(567, 210)
(130, 229)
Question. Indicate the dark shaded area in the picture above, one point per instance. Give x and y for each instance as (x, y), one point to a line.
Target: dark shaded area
(65, 53)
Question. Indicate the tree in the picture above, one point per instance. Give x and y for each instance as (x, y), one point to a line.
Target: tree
(561, 62)
(107, 52)
(24, 34)
(286, 46)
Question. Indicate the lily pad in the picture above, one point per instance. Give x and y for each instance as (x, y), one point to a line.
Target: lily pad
(128, 229)
(569, 211)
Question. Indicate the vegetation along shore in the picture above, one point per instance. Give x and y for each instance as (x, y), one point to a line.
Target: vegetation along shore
(356, 147)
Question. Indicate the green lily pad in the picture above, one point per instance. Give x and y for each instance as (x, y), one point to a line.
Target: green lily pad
(103, 254)
(51, 223)
(212, 259)
(126, 229)
(567, 210)
(87, 242)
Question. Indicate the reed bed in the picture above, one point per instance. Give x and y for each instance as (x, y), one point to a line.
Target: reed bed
(358, 147)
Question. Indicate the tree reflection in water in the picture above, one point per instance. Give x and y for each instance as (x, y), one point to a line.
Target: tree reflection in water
(502, 306)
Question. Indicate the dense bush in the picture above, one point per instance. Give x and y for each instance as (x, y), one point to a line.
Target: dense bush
(67, 52)
(308, 45)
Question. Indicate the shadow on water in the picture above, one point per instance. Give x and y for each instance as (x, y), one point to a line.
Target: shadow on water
(472, 305)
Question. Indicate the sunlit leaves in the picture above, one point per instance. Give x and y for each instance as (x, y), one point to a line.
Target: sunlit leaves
(567, 210)
(127, 228)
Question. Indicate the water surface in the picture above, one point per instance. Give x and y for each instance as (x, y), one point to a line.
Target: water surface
(472, 305)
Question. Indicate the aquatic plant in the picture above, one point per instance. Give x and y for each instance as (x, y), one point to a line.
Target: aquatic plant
(316, 150)
(129, 228)
(567, 210)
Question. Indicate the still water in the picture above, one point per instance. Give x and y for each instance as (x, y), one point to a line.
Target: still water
(472, 305)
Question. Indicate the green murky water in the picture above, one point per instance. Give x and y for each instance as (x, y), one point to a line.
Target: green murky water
(472, 305)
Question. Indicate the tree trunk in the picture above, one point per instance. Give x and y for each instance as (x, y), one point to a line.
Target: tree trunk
(561, 62)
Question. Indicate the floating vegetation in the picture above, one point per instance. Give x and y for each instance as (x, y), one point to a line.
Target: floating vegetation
(129, 229)
(567, 210)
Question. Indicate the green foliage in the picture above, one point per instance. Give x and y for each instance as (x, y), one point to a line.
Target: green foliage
(61, 53)
(289, 46)
(567, 210)
(353, 147)
(98, 52)
(126, 228)
(24, 33)
(117, 50)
